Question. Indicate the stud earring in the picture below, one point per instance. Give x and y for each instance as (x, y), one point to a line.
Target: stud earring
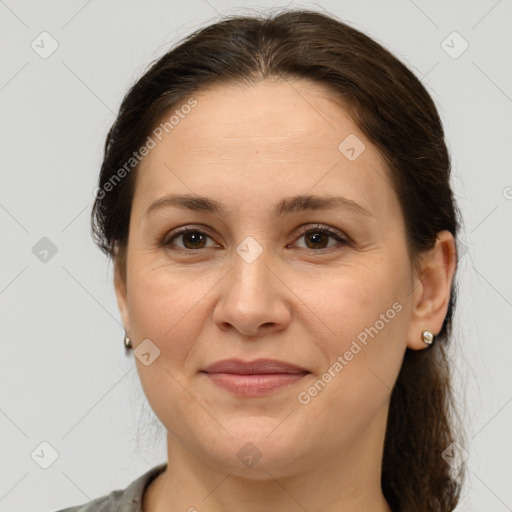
(427, 337)
(127, 341)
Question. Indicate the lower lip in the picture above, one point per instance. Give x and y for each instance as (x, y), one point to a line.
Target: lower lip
(254, 385)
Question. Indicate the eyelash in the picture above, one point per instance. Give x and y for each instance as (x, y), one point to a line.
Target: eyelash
(167, 240)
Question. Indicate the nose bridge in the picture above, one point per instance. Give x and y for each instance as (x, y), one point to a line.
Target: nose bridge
(250, 295)
(250, 268)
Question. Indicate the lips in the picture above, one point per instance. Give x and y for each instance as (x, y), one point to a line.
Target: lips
(257, 367)
(254, 378)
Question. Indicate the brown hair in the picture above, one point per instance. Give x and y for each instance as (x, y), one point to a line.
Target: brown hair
(396, 113)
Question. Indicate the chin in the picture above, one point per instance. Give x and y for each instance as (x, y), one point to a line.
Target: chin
(257, 449)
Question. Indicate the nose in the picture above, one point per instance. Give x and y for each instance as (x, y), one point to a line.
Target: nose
(253, 299)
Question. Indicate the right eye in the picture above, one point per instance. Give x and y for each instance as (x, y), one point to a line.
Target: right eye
(192, 239)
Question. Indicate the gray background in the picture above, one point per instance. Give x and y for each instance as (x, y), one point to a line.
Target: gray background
(65, 379)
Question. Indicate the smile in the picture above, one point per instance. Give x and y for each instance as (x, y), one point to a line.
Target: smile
(255, 384)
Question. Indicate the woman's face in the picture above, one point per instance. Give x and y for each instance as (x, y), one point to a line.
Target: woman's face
(248, 283)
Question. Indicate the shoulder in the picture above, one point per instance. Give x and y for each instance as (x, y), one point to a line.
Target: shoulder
(126, 500)
(98, 505)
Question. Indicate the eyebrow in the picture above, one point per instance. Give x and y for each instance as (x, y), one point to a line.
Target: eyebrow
(285, 206)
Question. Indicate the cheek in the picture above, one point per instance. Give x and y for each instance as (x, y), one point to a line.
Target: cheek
(353, 298)
(163, 304)
(363, 346)
(166, 309)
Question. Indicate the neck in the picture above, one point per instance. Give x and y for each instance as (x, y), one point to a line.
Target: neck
(348, 480)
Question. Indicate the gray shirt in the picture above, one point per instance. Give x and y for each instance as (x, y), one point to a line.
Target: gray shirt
(126, 500)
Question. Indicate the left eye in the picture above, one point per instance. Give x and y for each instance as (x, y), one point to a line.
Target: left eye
(318, 237)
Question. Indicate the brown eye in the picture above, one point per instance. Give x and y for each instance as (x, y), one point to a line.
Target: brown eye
(317, 238)
(192, 239)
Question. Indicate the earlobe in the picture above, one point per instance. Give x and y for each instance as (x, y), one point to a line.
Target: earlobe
(431, 295)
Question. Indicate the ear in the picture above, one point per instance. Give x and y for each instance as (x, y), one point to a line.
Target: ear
(431, 289)
(121, 295)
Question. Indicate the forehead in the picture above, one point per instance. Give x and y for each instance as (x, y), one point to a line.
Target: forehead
(267, 116)
(265, 138)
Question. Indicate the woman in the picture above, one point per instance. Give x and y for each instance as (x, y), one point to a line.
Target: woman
(275, 196)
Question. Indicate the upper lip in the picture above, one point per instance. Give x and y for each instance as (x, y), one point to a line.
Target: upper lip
(258, 366)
